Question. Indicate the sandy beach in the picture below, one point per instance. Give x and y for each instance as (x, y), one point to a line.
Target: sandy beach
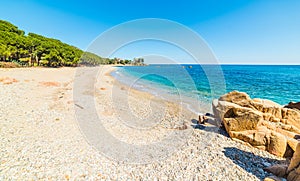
(42, 135)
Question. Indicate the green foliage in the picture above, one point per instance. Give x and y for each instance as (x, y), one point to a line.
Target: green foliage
(35, 49)
(90, 59)
(53, 52)
(138, 61)
(8, 27)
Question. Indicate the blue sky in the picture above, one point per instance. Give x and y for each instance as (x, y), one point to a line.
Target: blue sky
(238, 31)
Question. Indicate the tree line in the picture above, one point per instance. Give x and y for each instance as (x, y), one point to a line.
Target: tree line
(36, 50)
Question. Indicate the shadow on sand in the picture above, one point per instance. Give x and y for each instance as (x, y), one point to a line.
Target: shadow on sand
(210, 126)
(250, 162)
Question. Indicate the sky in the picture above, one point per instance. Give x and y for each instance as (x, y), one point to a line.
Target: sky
(237, 31)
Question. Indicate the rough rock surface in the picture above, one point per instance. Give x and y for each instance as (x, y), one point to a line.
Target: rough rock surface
(293, 171)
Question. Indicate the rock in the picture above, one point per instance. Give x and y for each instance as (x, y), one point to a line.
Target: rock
(293, 105)
(266, 164)
(209, 115)
(295, 161)
(229, 110)
(291, 117)
(273, 178)
(293, 143)
(252, 137)
(278, 170)
(293, 176)
(201, 119)
(289, 152)
(267, 107)
(262, 123)
(239, 98)
(265, 102)
(240, 119)
(215, 108)
(277, 145)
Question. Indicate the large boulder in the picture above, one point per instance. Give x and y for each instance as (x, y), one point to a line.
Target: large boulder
(261, 123)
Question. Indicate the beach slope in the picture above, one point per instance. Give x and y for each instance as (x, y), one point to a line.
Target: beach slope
(42, 138)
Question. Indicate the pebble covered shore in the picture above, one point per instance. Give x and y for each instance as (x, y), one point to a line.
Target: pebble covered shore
(40, 137)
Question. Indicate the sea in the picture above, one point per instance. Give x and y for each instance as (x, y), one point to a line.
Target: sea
(195, 86)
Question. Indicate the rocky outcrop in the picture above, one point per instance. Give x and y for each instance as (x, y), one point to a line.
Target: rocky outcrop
(263, 124)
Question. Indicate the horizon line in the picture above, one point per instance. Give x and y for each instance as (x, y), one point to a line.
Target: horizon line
(220, 64)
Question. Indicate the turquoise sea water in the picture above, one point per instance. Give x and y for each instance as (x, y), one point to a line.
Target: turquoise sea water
(200, 84)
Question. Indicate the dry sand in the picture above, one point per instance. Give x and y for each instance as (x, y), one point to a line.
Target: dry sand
(43, 137)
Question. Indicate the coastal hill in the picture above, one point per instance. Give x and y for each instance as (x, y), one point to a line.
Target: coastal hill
(36, 50)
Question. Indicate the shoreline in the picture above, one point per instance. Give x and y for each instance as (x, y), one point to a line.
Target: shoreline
(148, 93)
(201, 109)
(123, 91)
